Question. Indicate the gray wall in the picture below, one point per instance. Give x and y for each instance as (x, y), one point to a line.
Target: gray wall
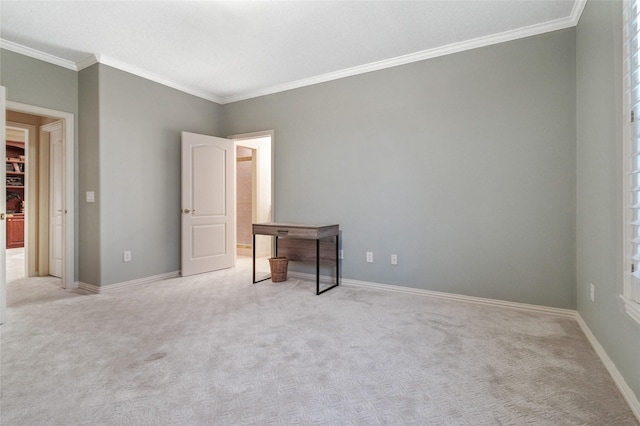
(599, 186)
(129, 155)
(463, 166)
(33, 82)
(88, 171)
(139, 196)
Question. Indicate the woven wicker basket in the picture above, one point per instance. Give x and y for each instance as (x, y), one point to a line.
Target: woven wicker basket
(278, 268)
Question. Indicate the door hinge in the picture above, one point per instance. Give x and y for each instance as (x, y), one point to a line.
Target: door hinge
(633, 267)
(633, 116)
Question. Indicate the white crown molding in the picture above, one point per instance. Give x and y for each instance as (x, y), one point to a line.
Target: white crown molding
(519, 33)
(36, 54)
(576, 12)
(125, 284)
(87, 62)
(105, 60)
(622, 385)
(532, 30)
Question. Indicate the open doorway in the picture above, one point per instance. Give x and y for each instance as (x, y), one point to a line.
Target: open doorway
(254, 190)
(33, 179)
(47, 248)
(209, 199)
(17, 139)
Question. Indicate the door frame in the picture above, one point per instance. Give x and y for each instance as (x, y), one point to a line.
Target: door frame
(249, 140)
(68, 128)
(3, 210)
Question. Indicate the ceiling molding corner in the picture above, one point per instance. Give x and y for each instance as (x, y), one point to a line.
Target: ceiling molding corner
(576, 12)
(105, 60)
(37, 54)
(87, 62)
(95, 59)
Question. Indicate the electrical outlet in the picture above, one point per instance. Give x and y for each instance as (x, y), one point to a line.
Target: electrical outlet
(394, 259)
(126, 256)
(340, 254)
(369, 257)
(592, 292)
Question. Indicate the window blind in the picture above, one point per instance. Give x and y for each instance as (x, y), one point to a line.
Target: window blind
(631, 66)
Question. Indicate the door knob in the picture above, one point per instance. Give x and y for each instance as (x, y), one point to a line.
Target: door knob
(186, 211)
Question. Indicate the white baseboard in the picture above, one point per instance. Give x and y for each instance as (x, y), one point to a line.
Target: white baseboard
(440, 295)
(125, 284)
(626, 391)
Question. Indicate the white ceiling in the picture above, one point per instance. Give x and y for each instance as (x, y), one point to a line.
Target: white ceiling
(232, 50)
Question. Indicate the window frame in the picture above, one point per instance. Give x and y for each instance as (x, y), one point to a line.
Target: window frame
(631, 159)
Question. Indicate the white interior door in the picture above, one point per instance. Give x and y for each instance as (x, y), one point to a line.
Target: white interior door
(3, 226)
(208, 204)
(56, 207)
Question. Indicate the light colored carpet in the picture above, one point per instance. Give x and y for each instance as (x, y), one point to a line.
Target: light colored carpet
(216, 350)
(15, 264)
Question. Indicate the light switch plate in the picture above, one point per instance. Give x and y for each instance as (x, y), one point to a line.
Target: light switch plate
(91, 197)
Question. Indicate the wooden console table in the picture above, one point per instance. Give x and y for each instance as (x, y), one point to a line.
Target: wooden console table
(302, 243)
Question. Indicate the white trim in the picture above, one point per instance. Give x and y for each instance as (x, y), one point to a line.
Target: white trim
(626, 391)
(439, 295)
(558, 24)
(37, 54)
(3, 210)
(632, 308)
(126, 284)
(68, 277)
(114, 63)
(576, 12)
(86, 62)
(238, 138)
(88, 287)
(531, 30)
(252, 135)
(618, 379)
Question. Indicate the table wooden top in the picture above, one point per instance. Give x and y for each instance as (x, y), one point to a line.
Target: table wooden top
(295, 230)
(293, 225)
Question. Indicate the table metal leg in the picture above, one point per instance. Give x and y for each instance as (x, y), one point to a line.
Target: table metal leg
(317, 267)
(318, 292)
(254, 262)
(337, 261)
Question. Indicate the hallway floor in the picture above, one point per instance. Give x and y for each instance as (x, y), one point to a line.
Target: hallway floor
(15, 264)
